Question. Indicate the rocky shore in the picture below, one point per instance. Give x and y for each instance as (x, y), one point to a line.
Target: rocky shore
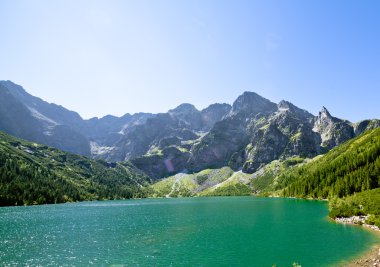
(372, 258)
(357, 220)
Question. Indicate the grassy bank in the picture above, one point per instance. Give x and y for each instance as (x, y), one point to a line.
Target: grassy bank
(364, 203)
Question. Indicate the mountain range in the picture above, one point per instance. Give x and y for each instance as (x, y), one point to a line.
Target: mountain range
(348, 175)
(245, 136)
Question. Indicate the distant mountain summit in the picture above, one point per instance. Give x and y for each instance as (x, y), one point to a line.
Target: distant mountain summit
(31, 118)
(247, 135)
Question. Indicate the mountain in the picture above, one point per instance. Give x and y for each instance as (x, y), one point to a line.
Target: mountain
(31, 173)
(333, 131)
(110, 138)
(29, 117)
(348, 176)
(225, 142)
(247, 135)
(252, 146)
(284, 133)
(350, 168)
(257, 131)
(365, 125)
(178, 127)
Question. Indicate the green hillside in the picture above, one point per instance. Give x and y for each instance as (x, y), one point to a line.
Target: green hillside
(367, 202)
(31, 173)
(184, 185)
(352, 167)
(349, 176)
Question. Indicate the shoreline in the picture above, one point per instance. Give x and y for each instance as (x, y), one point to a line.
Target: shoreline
(370, 258)
(357, 220)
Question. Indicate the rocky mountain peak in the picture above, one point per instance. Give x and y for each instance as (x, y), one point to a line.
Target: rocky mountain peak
(333, 131)
(251, 133)
(214, 113)
(184, 108)
(14, 89)
(324, 113)
(285, 106)
(250, 102)
(11, 85)
(323, 119)
(217, 107)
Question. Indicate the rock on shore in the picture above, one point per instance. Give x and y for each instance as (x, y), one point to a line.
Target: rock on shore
(358, 220)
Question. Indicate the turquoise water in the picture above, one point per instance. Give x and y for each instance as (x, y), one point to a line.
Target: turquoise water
(220, 231)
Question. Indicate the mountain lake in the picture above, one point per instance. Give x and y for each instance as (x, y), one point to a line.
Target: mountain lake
(210, 231)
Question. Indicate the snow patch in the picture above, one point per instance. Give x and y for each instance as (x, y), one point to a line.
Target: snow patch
(48, 131)
(96, 149)
(41, 117)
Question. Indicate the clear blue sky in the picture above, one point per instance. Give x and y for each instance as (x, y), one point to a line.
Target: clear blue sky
(113, 57)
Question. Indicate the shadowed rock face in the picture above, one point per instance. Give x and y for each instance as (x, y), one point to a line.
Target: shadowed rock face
(365, 125)
(224, 144)
(187, 116)
(30, 118)
(111, 138)
(216, 147)
(284, 133)
(175, 128)
(170, 161)
(213, 114)
(247, 135)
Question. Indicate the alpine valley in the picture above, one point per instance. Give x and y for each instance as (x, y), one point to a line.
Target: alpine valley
(50, 154)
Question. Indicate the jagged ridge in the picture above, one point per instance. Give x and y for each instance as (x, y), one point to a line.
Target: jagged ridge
(245, 136)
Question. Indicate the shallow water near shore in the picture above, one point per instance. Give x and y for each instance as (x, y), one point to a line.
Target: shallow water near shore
(218, 231)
